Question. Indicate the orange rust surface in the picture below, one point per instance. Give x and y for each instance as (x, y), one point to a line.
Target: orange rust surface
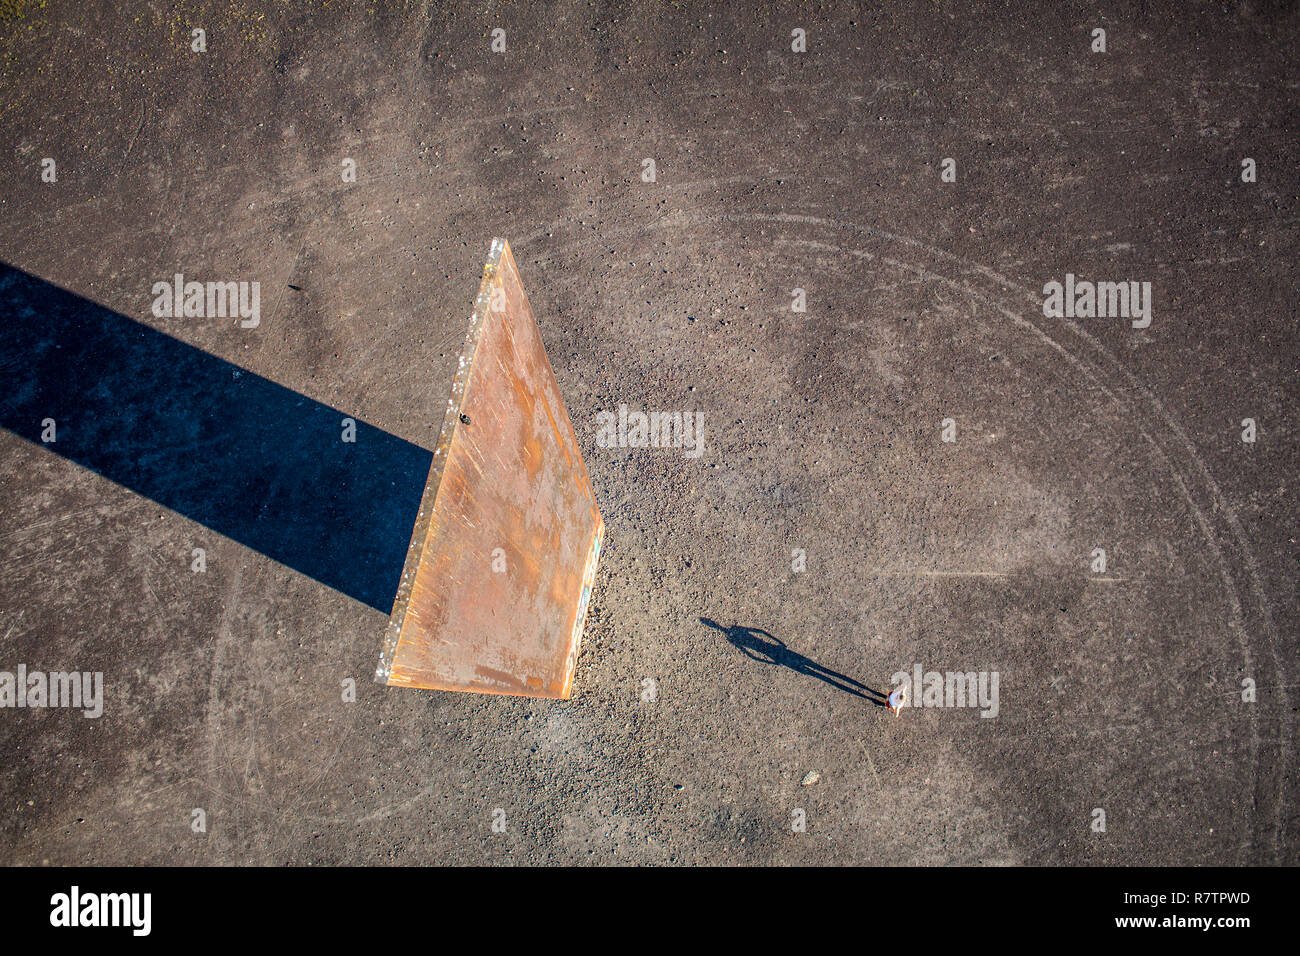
(508, 486)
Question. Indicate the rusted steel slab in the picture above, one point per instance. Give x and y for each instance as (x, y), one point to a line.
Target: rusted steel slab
(494, 592)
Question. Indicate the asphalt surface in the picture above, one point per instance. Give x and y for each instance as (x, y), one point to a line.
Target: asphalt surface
(722, 696)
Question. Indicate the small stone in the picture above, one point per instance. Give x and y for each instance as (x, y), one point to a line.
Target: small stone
(812, 777)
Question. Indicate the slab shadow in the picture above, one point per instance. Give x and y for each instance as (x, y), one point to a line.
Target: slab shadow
(252, 460)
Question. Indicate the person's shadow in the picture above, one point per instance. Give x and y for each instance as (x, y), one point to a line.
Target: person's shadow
(759, 645)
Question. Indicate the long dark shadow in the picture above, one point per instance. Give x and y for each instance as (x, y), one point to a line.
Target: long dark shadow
(760, 645)
(250, 459)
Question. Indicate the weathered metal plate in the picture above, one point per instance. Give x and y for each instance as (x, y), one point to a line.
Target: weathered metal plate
(494, 591)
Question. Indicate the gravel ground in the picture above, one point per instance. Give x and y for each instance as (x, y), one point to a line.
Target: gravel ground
(751, 597)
